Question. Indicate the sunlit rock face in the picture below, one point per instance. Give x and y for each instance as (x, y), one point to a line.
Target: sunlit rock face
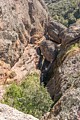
(19, 20)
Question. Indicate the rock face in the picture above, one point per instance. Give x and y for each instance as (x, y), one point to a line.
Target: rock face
(58, 37)
(18, 21)
(72, 32)
(63, 84)
(26, 64)
(26, 21)
(54, 30)
(8, 113)
(49, 49)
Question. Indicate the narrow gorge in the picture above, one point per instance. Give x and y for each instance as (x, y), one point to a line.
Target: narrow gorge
(31, 41)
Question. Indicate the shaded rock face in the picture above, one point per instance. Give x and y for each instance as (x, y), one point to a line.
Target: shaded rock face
(18, 21)
(65, 75)
(49, 49)
(8, 113)
(54, 30)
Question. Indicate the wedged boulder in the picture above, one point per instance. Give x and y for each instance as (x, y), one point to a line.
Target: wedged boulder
(54, 29)
(48, 49)
(9, 113)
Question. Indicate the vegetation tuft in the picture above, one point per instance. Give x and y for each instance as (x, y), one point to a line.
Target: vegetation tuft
(64, 11)
(28, 97)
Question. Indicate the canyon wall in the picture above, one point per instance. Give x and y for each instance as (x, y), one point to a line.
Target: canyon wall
(63, 73)
(19, 20)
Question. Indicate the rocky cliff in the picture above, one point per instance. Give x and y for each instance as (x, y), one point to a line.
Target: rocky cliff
(62, 75)
(20, 21)
(24, 27)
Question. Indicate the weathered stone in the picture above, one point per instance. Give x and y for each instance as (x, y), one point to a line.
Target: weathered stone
(4, 69)
(64, 75)
(8, 113)
(71, 33)
(64, 86)
(17, 19)
(36, 38)
(67, 108)
(54, 29)
(26, 64)
(48, 49)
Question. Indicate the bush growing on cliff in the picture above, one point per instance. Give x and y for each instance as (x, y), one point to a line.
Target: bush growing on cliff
(64, 11)
(29, 97)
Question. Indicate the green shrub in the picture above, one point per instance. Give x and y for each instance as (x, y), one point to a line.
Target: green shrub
(64, 11)
(29, 97)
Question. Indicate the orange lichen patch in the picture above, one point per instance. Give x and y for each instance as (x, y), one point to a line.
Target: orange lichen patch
(71, 52)
(39, 41)
(6, 75)
(8, 81)
(38, 35)
(78, 21)
(75, 28)
(1, 25)
(37, 38)
(4, 68)
(11, 74)
(16, 44)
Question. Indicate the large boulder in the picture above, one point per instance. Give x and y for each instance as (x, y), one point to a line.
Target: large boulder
(9, 113)
(61, 35)
(48, 49)
(54, 29)
(70, 34)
